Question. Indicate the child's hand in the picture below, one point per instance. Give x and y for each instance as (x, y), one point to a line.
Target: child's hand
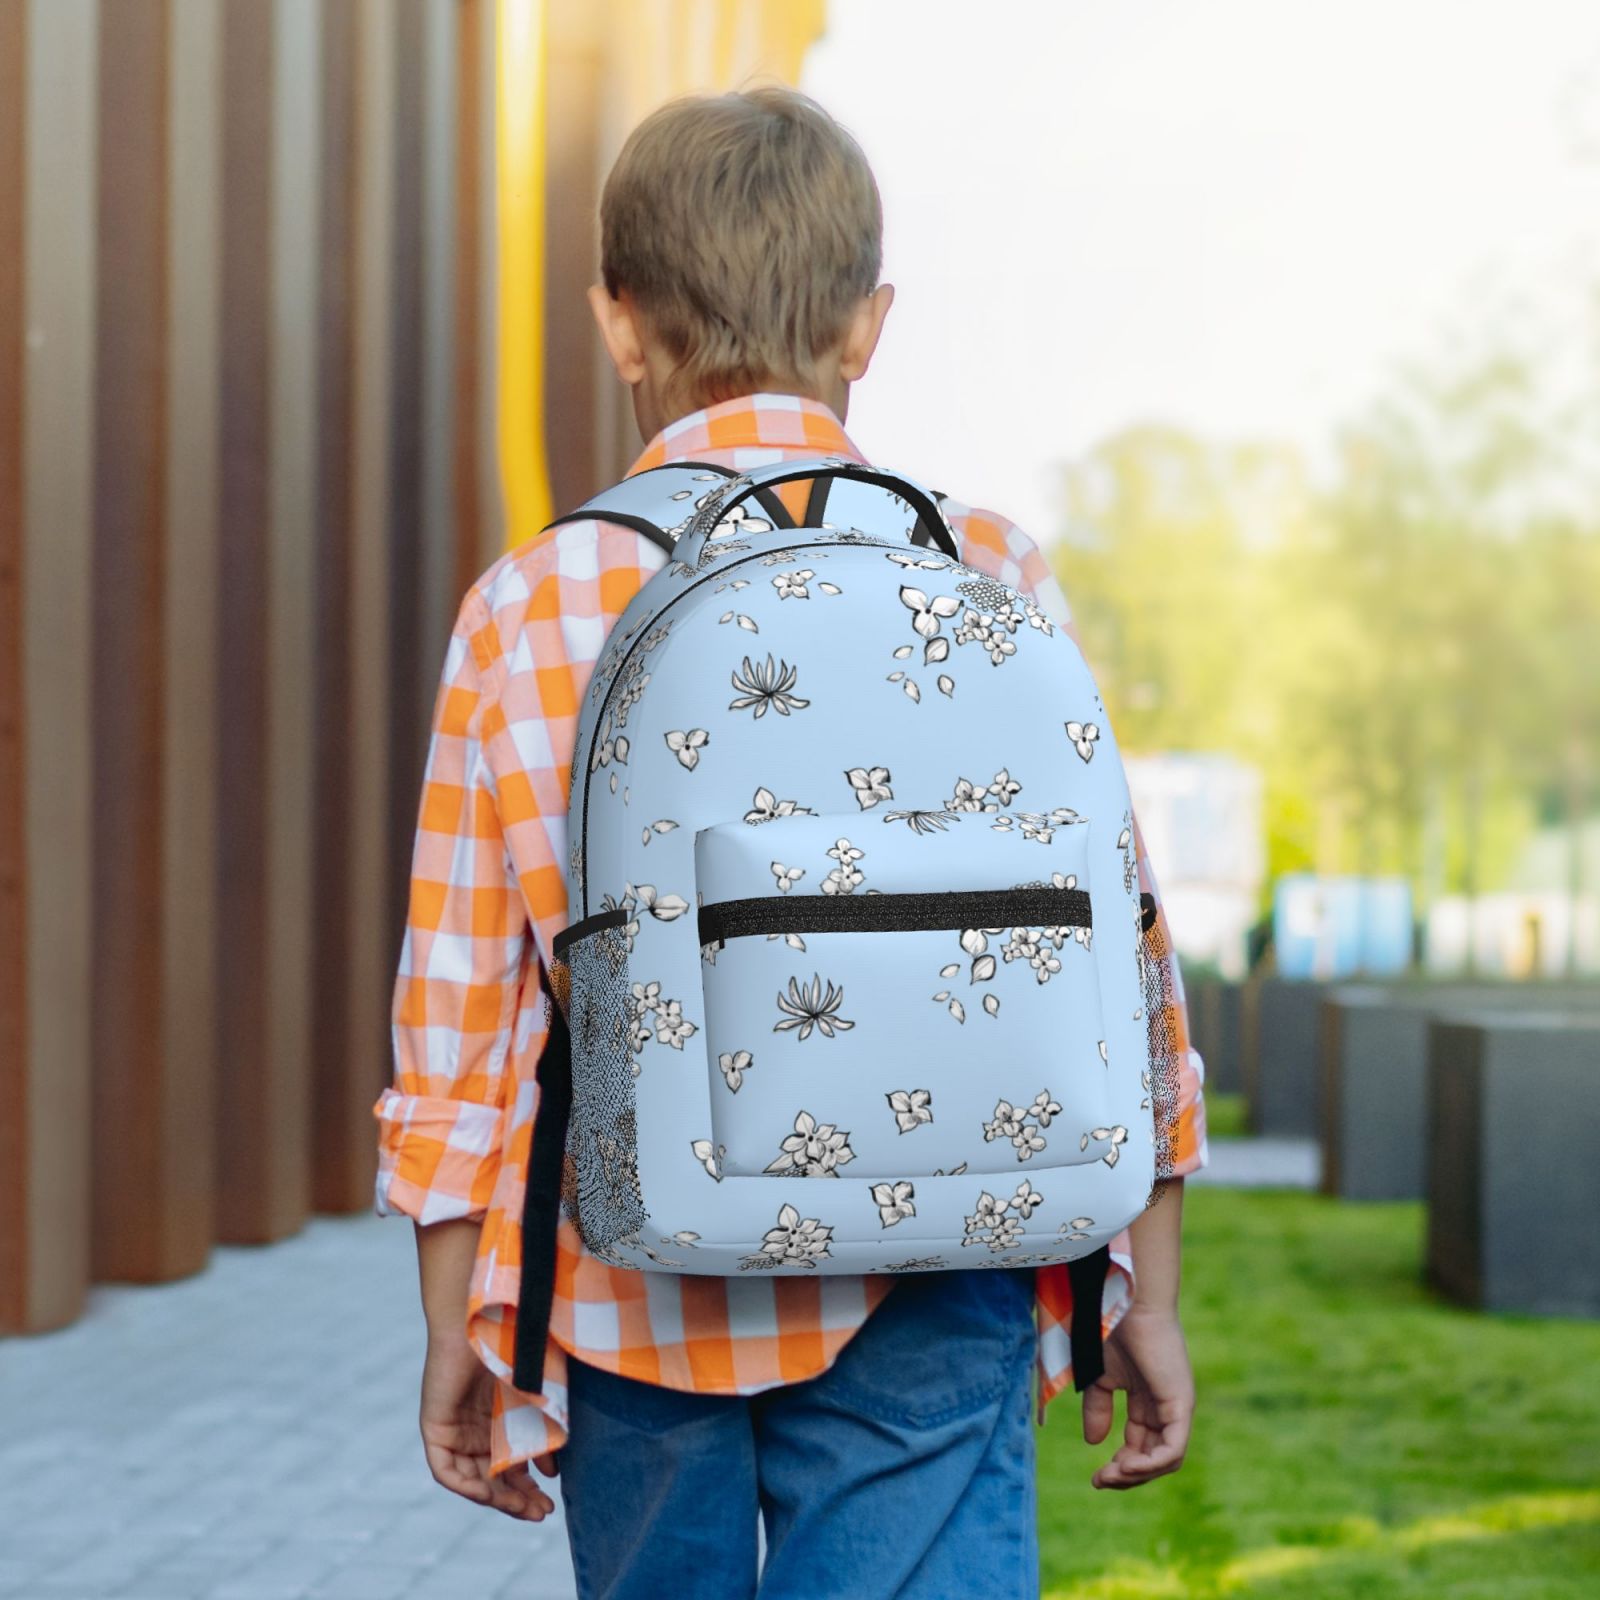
(1146, 1355)
(457, 1396)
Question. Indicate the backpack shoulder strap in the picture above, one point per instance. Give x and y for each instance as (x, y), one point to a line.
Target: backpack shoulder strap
(651, 501)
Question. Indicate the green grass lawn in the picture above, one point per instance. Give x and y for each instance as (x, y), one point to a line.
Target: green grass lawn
(1355, 1436)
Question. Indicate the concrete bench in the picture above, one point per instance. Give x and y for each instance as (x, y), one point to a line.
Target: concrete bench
(1513, 1194)
(1215, 1014)
(1280, 1028)
(1372, 1082)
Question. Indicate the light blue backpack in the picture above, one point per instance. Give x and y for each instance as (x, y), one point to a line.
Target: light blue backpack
(854, 901)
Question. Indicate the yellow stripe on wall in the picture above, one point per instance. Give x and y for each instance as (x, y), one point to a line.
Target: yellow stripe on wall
(519, 230)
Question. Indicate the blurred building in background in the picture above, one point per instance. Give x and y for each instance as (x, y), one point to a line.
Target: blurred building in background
(292, 344)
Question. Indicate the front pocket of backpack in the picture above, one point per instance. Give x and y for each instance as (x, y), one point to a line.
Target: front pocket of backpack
(893, 1026)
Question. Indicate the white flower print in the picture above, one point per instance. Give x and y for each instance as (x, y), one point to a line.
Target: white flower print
(902, 558)
(998, 1223)
(813, 1150)
(663, 907)
(990, 797)
(895, 1202)
(807, 1008)
(1083, 736)
(1031, 945)
(792, 585)
(734, 1067)
(913, 1108)
(915, 1264)
(870, 784)
(627, 904)
(672, 1027)
(846, 877)
(927, 614)
(766, 807)
(984, 628)
(787, 877)
(766, 684)
(688, 745)
(709, 1156)
(1118, 1137)
(1044, 1109)
(796, 1241)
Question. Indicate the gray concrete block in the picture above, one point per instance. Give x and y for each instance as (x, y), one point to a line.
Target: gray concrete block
(1513, 1186)
(1215, 1011)
(1373, 1072)
(1282, 1019)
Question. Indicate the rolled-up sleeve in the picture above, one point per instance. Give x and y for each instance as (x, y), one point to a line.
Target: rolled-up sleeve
(441, 1118)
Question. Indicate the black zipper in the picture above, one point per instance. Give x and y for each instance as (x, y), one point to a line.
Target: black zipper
(1031, 906)
(622, 666)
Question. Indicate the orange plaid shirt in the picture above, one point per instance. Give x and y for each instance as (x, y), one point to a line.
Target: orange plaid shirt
(488, 894)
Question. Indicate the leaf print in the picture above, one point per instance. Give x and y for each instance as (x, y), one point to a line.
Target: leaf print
(922, 563)
(661, 825)
(991, 1004)
(747, 623)
(911, 689)
(767, 684)
(796, 1241)
(923, 821)
(895, 1202)
(870, 784)
(734, 1067)
(1083, 735)
(913, 1108)
(947, 684)
(665, 907)
(829, 588)
(983, 969)
(813, 1150)
(807, 1008)
(926, 614)
(935, 650)
(684, 1239)
(765, 807)
(958, 1011)
(902, 652)
(688, 745)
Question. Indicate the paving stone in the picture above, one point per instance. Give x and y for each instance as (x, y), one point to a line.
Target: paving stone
(248, 1433)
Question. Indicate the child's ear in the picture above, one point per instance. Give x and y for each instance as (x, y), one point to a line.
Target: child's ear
(619, 331)
(861, 339)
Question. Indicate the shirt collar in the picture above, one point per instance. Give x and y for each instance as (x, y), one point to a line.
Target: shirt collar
(767, 420)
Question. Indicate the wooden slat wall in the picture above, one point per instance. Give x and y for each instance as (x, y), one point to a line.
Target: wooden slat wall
(247, 469)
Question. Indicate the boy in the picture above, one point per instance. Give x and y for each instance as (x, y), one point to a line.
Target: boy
(879, 1427)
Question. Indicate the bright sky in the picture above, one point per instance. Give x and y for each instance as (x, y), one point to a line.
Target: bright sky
(1227, 214)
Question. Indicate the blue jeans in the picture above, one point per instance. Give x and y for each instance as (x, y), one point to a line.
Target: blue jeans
(903, 1472)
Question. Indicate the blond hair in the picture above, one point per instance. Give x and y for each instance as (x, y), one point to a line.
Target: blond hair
(746, 226)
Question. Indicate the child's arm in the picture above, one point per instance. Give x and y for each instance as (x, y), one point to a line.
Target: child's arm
(442, 1119)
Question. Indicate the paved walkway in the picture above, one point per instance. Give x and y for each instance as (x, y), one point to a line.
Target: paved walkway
(1262, 1164)
(248, 1434)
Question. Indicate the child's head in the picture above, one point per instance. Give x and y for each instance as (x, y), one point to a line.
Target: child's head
(741, 237)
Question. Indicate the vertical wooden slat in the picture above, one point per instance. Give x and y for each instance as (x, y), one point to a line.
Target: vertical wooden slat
(342, 1138)
(407, 680)
(57, 646)
(373, 949)
(130, 395)
(437, 606)
(476, 539)
(289, 734)
(573, 383)
(14, 1096)
(255, 1145)
(187, 1196)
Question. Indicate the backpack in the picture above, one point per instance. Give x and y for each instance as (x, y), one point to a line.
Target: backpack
(853, 899)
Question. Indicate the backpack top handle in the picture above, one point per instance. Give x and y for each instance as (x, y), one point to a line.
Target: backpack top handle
(931, 529)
